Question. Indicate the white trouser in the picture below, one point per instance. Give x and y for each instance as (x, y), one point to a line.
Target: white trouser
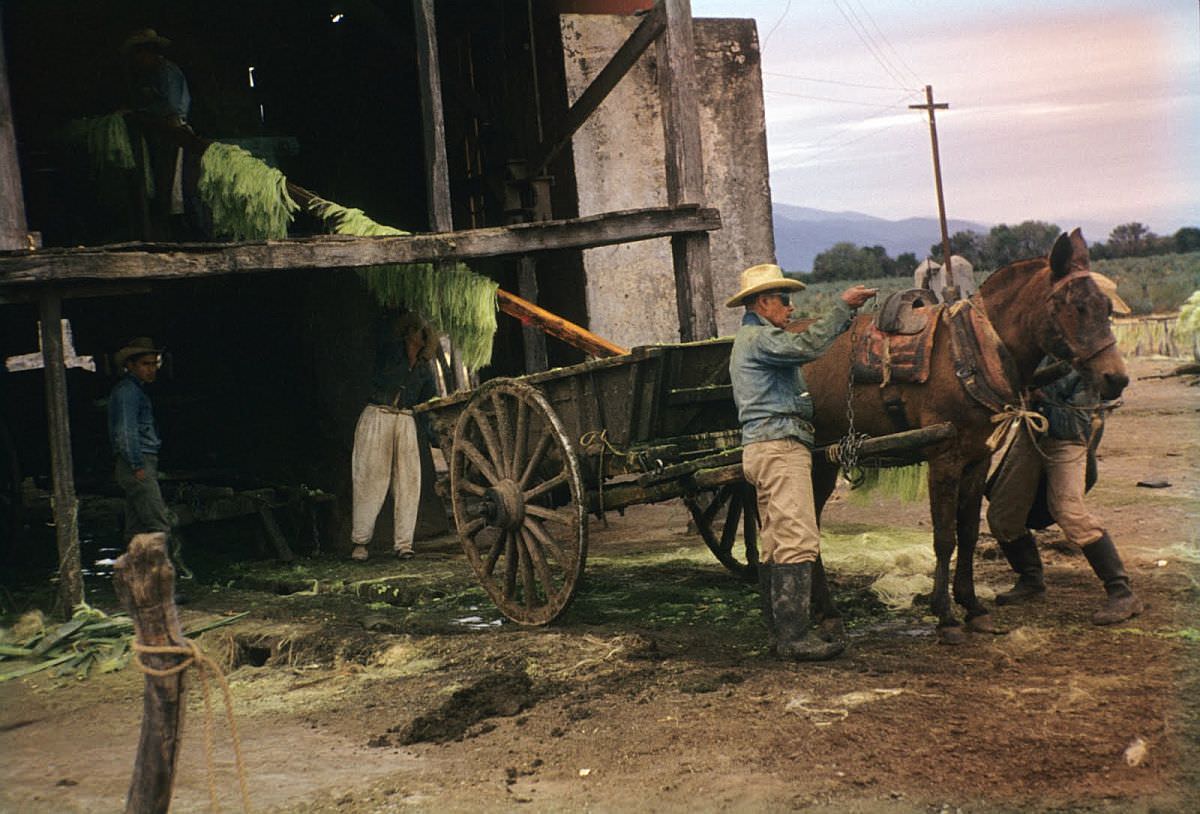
(385, 452)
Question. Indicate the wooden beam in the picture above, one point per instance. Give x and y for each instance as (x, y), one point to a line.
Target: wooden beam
(651, 26)
(539, 319)
(14, 296)
(533, 340)
(66, 508)
(14, 231)
(182, 261)
(437, 169)
(685, 169)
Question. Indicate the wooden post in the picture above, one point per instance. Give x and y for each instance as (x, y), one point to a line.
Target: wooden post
(66, 508)
(145, 584)
(685, 169)
(541, 320)
(937, 178)
(534, 341)
(14, 232)
(437, 168)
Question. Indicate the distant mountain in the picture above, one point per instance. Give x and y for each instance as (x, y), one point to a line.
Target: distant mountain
(802, 233)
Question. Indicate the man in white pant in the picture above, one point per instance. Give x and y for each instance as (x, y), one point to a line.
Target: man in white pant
(386, 451)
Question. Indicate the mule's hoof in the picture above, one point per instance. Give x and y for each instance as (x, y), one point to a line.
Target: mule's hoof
(953, 634)
(982, 624)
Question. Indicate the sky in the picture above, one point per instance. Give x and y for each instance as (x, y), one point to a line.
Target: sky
(1078, 112)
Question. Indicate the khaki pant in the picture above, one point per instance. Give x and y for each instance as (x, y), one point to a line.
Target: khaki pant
(385, 454)
(781, 471)
(1015, 489)
(145, 510)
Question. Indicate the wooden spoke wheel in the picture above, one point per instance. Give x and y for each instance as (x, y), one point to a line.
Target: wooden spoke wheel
(518, 501)
(732, 509)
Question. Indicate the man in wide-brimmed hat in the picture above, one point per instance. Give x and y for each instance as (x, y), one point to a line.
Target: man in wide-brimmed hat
(775, 410)
(386, 452)
(133, 433)
(1075, 421)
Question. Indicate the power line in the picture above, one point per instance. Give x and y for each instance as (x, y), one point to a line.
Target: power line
(830, 99)
(778, 22)
(865, 38)
(828, 81)
(887, 42)
(850, 124)
(845, 144)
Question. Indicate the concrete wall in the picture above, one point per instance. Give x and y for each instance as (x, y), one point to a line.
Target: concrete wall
(619, 165)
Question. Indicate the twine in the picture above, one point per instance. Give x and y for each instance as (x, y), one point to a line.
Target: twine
(204, 664)
(1031, 420)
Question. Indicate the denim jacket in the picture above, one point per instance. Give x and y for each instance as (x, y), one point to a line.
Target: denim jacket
(131, 428)
(768, 387)
(1069, 405)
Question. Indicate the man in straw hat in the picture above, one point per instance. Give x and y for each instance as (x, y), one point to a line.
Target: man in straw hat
(385, 441)
(133, 434)
(1075, 418)
(775, 410)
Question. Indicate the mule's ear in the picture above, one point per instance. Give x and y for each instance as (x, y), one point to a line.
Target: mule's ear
(1060, 255)
(1079, 250)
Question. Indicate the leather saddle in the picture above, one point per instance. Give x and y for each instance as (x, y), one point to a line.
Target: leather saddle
(898, 345)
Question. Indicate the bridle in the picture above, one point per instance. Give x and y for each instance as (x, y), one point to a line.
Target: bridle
(1078, 356)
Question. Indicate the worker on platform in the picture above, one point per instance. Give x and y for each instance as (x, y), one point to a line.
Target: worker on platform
(386, 452)
(775, 411)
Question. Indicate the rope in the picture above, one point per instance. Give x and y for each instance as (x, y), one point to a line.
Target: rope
(1030, 420)
(204, 664)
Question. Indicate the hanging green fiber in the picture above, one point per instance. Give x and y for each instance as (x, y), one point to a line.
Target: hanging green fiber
(456, 300)
(907, 483)
(249, 199)
(105, 141)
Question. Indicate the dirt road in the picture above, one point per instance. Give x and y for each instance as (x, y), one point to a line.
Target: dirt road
(656, 691)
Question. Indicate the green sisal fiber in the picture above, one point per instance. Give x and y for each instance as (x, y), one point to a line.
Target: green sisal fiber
(105, 140)
(908, 483)
(249, 200)
(456, 300)
(1187, 328)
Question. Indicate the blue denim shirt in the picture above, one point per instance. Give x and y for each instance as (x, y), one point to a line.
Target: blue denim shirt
(131, 428)
(1069, 404)
(768, 387)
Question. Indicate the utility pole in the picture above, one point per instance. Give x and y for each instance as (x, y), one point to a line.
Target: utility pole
(937, 173)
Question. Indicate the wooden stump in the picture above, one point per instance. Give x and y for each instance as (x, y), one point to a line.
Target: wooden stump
(145, 583)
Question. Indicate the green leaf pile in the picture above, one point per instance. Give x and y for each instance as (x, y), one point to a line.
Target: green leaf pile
(456, 300)
(249, 199)
(105, 142)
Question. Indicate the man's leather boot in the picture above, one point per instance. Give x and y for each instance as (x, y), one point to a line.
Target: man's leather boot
(791, 595)
(764, 596)
(1122, 602)
(1022, 555)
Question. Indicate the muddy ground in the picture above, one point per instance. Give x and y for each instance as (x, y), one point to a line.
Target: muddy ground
(656, 691)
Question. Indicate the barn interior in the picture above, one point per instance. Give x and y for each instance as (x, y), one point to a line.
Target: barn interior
(265, 373)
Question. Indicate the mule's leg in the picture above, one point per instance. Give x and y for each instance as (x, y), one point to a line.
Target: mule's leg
(970, 499)
(944, 474)
(825, 614)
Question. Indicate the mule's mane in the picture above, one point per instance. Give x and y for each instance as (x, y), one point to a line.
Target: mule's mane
(1004, 276)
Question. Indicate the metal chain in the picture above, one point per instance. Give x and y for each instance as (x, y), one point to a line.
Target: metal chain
(848, 447)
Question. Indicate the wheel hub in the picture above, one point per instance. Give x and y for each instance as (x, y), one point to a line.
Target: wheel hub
(505, 505)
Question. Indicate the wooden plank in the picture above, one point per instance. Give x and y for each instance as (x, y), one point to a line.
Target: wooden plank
(437, 169)
(13, 296)
(651, 26)
(14, 231)
(685, 169)
(66, 507)
(533, 340)
(165, 262)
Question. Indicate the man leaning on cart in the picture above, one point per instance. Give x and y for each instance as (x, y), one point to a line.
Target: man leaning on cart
(776, 412)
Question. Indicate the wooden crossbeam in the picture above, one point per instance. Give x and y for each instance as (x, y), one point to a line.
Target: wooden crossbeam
(180, 261)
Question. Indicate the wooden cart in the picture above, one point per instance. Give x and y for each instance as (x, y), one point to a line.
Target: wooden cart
(531, 457)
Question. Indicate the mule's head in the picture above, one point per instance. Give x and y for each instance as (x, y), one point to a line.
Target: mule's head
(1078, 328)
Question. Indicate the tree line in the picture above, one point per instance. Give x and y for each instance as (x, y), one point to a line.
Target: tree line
(1002, 245)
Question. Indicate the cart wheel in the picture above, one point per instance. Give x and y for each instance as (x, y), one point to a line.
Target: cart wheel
(518, 501)
(736, 505)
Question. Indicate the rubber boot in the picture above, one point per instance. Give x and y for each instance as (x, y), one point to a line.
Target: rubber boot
(791, 595)
(826, 619)
(764, 596)
(1022, 555)
(1122, 602)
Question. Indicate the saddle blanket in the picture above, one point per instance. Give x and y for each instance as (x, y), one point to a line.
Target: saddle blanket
(882, 358)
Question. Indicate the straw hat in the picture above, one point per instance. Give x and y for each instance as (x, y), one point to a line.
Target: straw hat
(144, 36)
(760, 278)
(1109, 289)
(135, 347)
